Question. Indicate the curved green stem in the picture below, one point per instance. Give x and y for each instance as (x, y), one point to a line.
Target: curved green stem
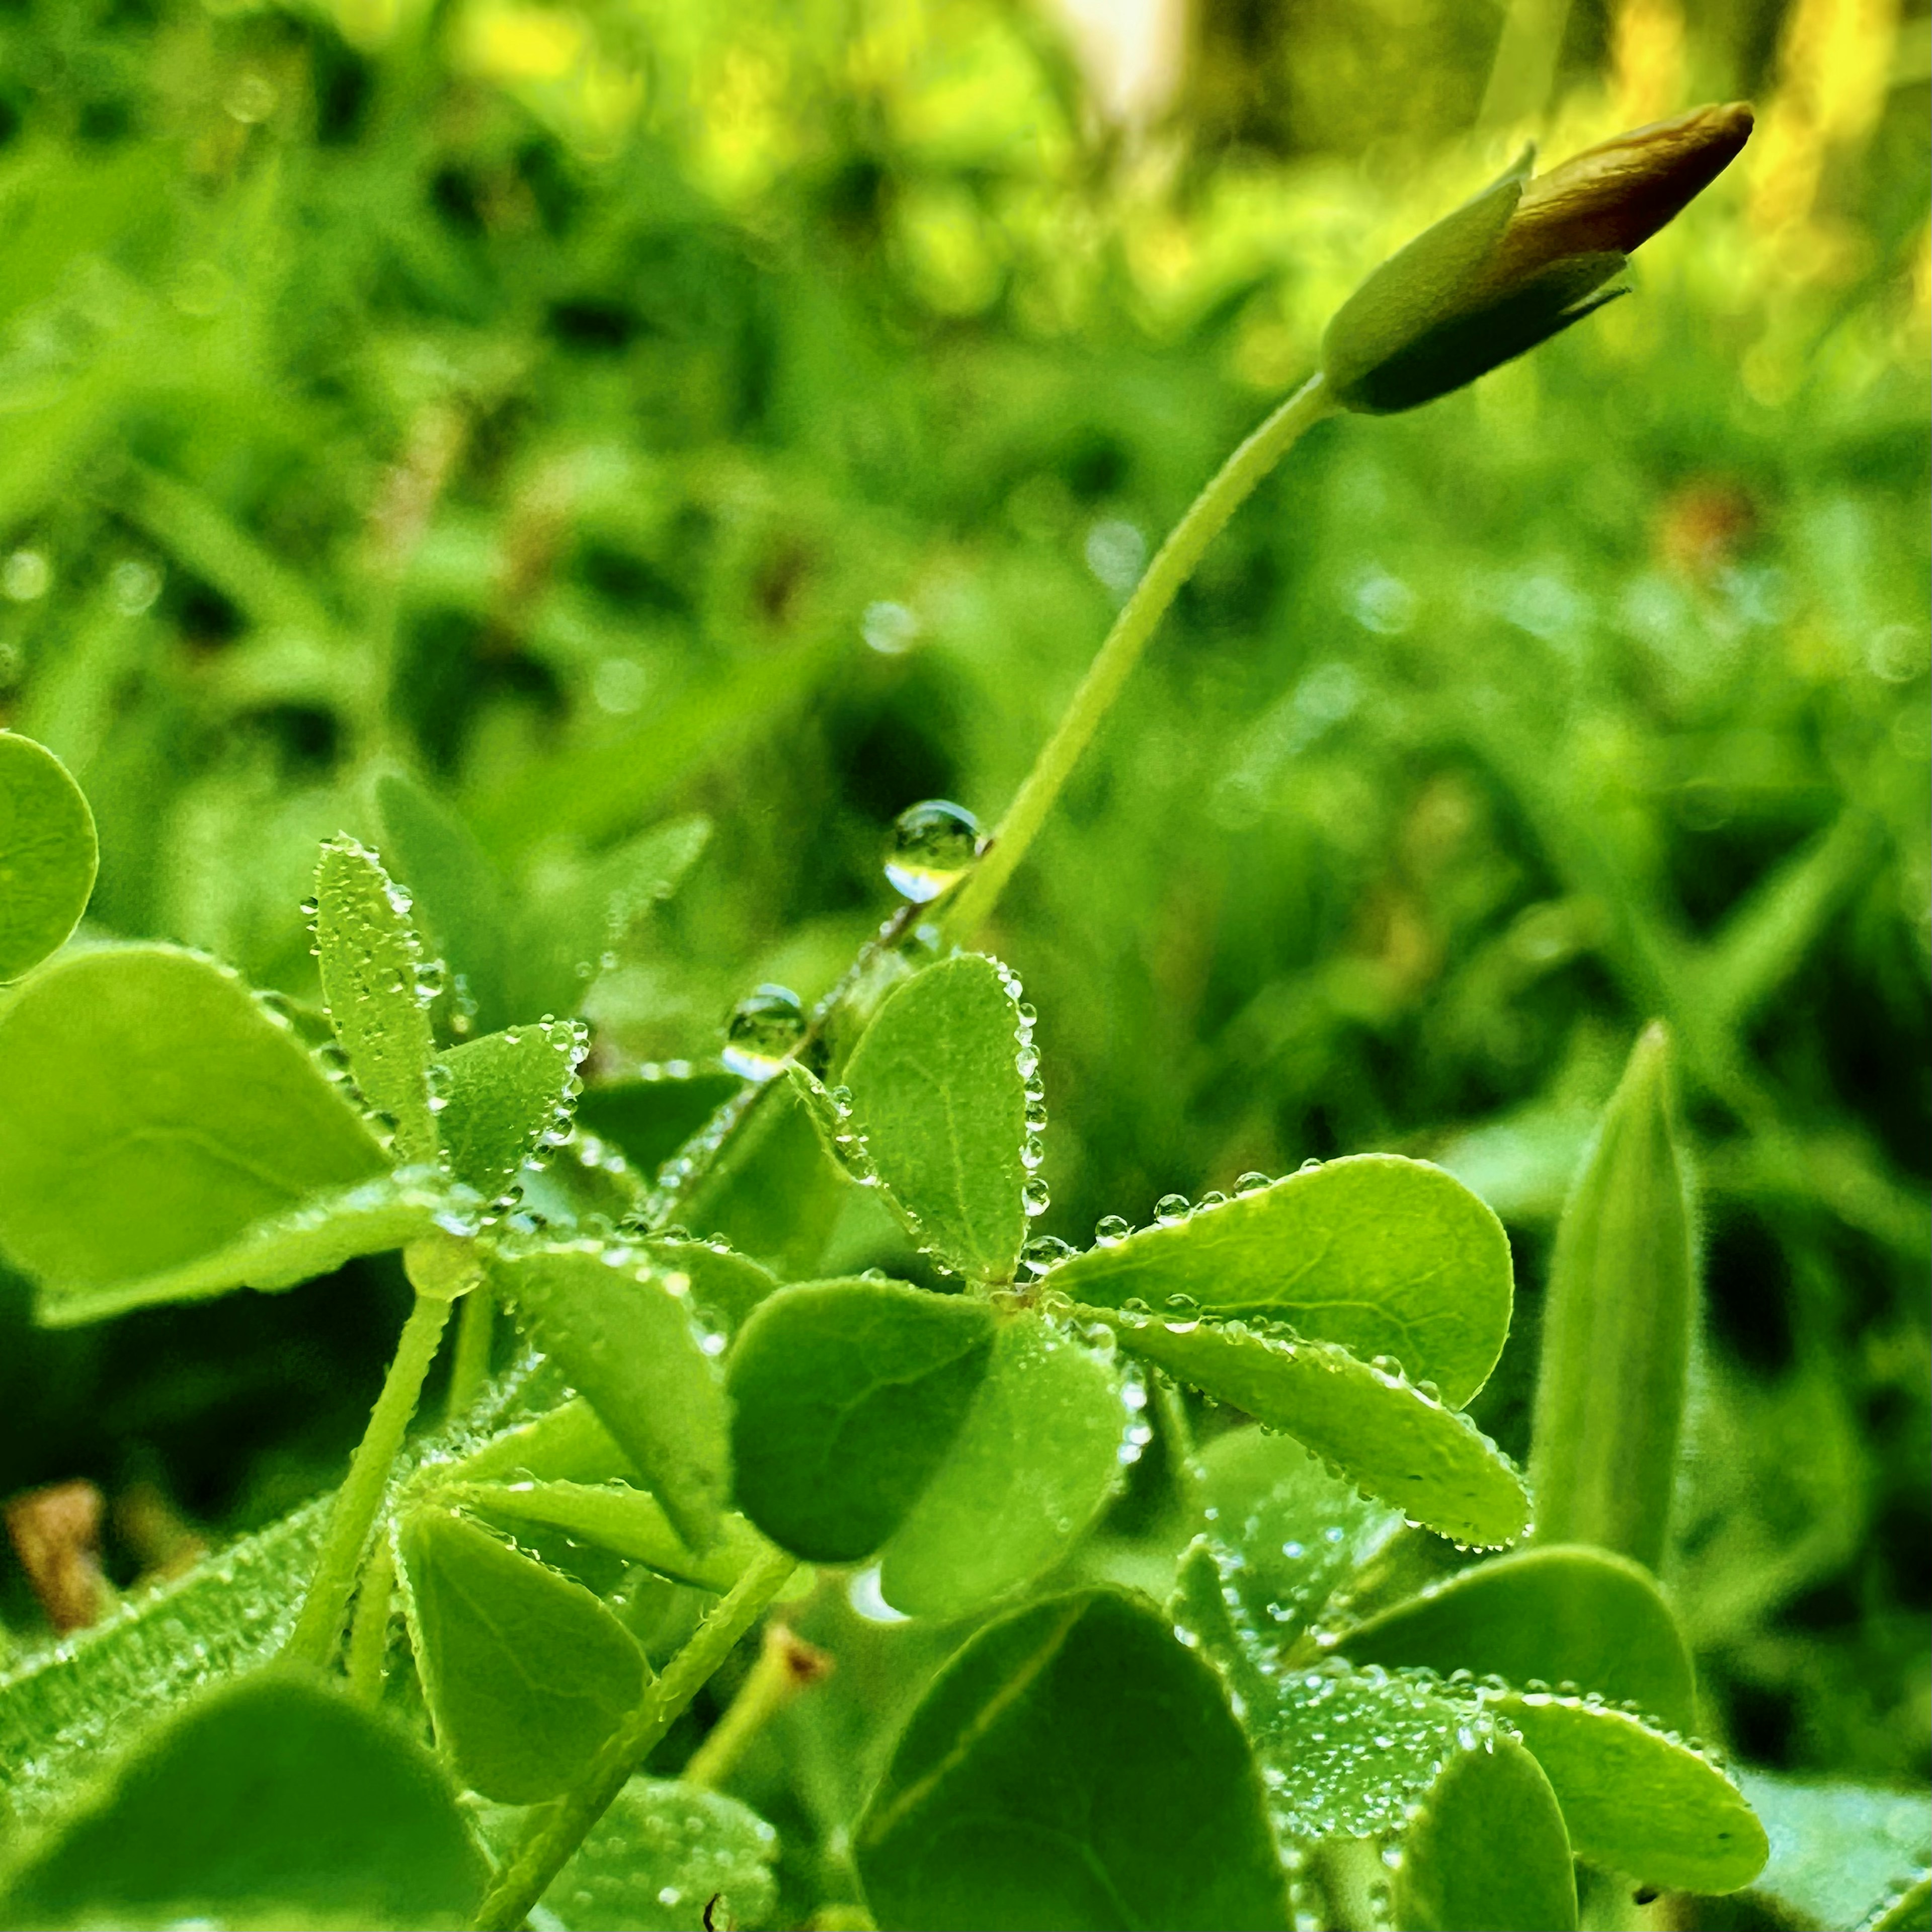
(560, 1828)
(475, 1328)
(318, 1628)
(1173, 564)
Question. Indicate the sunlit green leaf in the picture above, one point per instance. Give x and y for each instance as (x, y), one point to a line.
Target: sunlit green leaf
(1388, 1257)
(1488, 1852)
(305, 1242)
(1430, 1461)
(1074, 1766)
(527, 1674)
(1561, 1614)
(937, 1093)
(724, 1286)
(501, 1095)
(847, 1395)
(1034, 1462)
(371, 961)
(771, 1192)
(48, 853)
(568, 1444)
(151, 1110)
(623, 1333)
(1637, 1801)
(273, 1803)
(659, 1858)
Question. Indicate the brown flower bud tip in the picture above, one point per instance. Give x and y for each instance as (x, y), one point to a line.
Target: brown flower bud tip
(1610, 199)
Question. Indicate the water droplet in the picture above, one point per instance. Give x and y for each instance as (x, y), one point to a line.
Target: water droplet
(1034, 1196)
(764, 1028)
(1042, 1253)
(1110, 1229)
(1252, 1182)
(1032, 1153)
(1172, 1209)
(932, 843)
(1309, 1165)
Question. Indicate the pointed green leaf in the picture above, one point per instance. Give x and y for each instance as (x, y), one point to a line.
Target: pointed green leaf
(1840, 1852)
(568, 1444)
(1299, 1532)
(938, 1094)
(625, 1336)
(1074, 1766)
(502, 1094)
(48, 854)
(568, 924)
(228, 1614)
(846, 1396)
(1035, 1462)
(1385, 1256)
(306, 1242)
(614, 1516)
(371, 961)
(151, 1110)
(1561, 1615)
(1488, 1852)
(273, 1803)
(1637, 1801)
(1431, 1462)
(1419, 285)
(526, 1673)
(458, 896)
(1617, 1323)
(656, 1860)
(1345, 1753)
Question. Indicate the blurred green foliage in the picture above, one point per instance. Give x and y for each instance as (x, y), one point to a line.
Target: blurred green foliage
(758, 411)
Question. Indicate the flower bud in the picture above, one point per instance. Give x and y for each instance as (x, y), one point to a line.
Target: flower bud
(1519, 263)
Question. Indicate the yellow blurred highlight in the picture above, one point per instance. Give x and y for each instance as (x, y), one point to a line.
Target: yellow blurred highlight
(1647, 61)
(1834, 70)
(511, 44)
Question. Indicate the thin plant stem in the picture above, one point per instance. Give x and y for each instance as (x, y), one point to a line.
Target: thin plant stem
(965, 910)
(562, 1826)
(1178, 1430)
(1173, 564)
(318, 1627)
(787, 1665)
(369, 1626)
(475, 1327)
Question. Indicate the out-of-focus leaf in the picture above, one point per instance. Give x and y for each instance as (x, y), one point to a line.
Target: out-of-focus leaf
(48, 853)
(1098, 1756)
(272, 1803)
(724, 1286)
(151, 1111)
(527, 1674)
(1840, 1852)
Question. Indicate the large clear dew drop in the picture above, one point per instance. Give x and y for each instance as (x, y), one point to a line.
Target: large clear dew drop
(764, 1028)
(932, 843)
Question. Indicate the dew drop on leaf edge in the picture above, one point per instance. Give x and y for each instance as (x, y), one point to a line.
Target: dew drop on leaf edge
(932, 843)
(764, 1027)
